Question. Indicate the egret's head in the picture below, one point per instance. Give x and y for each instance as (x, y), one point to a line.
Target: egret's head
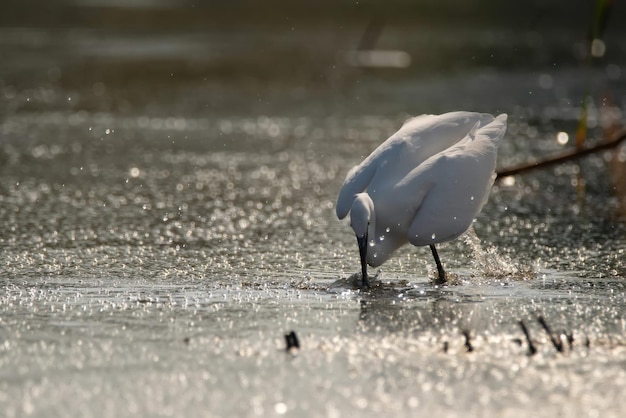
(360, 214)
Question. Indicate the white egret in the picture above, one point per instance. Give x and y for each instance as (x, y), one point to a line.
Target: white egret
(423, 185)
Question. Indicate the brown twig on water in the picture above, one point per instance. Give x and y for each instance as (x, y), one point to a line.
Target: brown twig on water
(531, 347)
(556, 342)
(468, 343)
(565, 157)
(292, 341)
(570, 339)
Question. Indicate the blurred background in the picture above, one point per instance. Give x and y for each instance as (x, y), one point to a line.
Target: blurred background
(276, 57)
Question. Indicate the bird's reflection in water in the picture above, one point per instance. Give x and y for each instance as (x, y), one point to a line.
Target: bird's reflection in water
(432, 309)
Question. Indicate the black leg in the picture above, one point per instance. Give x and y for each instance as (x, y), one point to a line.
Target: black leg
(440, 270)
(363, 253)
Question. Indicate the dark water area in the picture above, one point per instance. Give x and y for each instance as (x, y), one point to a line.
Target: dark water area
(168, 176)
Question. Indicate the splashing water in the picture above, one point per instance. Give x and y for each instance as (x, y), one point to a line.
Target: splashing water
(487, 263)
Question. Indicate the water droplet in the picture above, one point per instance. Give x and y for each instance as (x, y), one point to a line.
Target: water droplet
(546, 81)
(388, 229)
(598, 48)
(381, 238)
(613, 71)
(372, 243)
(433, 236)
(280, 408)
(472, 198)
(508, 181)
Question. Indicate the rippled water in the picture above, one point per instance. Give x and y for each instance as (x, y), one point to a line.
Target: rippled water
(168, 216)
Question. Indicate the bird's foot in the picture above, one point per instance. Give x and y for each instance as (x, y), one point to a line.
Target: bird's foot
(370, 282)
(441, 279)
(364, 283)
(449, 279)
(356, 282)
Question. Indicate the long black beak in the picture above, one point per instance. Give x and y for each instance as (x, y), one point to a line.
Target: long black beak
(363, 253)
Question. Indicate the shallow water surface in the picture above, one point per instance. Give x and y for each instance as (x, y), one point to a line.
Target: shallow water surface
(168, 217)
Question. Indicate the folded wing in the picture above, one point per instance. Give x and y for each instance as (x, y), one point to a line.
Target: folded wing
(460, 179)
(417, 140)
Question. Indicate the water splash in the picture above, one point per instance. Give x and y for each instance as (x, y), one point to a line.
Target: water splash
(488, 263)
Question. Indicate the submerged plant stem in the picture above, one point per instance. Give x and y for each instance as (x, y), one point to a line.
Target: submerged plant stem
(565, 157)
